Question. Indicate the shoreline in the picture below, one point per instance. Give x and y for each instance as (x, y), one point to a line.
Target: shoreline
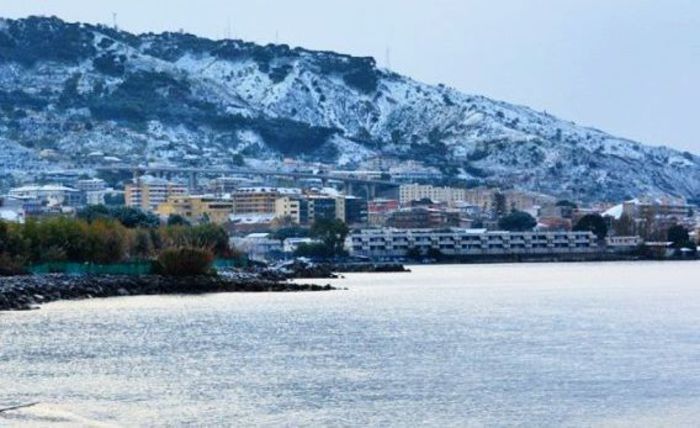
(28, 292)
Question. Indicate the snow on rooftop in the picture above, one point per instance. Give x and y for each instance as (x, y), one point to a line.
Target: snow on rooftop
(614, 212)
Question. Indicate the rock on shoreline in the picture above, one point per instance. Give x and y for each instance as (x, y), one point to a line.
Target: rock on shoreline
(27, 292)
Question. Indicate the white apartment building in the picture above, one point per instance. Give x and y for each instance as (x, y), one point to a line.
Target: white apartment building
(388, 242)
(416, 192)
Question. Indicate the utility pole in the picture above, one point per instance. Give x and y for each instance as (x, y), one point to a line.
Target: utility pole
(114, 20)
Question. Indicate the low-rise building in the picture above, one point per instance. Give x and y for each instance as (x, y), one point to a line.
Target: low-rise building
(290, 245)
(50, 194)
(395, 243)
(623, 243)
(258, 246)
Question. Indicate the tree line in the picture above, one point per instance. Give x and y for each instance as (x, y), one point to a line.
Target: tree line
(104, 236)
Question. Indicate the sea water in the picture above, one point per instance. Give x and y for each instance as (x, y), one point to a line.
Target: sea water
(610, 344)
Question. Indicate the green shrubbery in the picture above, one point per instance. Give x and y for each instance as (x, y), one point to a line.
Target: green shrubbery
(184, 261)
(105, 240)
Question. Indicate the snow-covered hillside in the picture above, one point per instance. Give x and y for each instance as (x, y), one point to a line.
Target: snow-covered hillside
(78, 89)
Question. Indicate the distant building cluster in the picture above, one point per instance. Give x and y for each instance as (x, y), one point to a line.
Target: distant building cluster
(408, 216)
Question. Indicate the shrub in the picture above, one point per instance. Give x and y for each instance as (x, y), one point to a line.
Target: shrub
(11, 265)
(184, 261)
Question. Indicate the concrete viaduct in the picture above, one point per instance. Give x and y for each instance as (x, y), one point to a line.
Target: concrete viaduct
(350, 183)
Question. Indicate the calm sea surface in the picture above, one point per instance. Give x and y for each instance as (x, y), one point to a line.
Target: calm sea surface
(497, 345)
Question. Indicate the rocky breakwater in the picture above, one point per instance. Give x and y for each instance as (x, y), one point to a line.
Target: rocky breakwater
(305, 269)
(27, 292)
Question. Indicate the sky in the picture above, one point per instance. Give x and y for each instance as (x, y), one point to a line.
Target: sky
(629, 67)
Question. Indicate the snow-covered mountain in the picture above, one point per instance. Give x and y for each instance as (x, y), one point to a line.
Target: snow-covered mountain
(75, 92)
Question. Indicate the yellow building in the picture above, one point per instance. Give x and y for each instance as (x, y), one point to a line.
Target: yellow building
(197, 208)
(149, 192)
(259, 200)
(290, 207)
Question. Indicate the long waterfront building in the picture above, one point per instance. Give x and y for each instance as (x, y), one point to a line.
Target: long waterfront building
(389, 242)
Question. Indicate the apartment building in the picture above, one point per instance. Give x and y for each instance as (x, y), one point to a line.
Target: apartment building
(149, 192)
(197, 209)
(389, 242)
(303, 209)
(415, 192)
(259, 200)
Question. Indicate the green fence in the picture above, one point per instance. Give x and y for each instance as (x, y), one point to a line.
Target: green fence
(130, 268)
(230, 263)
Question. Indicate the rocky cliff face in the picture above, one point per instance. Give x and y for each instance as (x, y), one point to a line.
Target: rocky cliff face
(75, 92)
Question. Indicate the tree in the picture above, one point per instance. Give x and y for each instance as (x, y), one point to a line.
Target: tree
(332, 233)
(291, 232)
(177, 220)
(517, 221)
(128, 216)
(594, 223)
(499, 204)
(106, 242)
(679, 236)
(207, 236)
(142, 246)
(13, 250)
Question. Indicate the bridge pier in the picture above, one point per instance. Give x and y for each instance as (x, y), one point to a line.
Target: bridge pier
(348, 188)
(192, 184)
(370, 191)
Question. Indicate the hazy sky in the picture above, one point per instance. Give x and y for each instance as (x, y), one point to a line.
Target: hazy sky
(630, 67)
